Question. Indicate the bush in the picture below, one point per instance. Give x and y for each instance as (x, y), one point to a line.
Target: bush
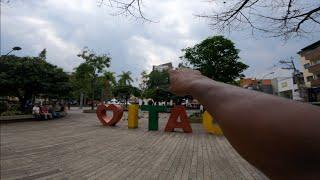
(11, 113)
(3, 107)
(195, 118)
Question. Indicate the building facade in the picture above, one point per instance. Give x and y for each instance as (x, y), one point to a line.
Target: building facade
(162, 67)
(281, 86)
(263, 85)
(310, 61)
(287, 87)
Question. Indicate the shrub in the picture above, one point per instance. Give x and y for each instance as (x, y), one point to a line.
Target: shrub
(11, 113)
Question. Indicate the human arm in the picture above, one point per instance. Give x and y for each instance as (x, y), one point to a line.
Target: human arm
(280, 137)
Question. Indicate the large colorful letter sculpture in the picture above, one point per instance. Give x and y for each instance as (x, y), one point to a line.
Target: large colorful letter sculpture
(153, 124)
(133, 110)
(176, 112)
(109, 121)
(209, 125)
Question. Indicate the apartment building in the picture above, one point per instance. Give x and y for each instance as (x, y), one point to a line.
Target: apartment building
(310, 61)
(162, 67)
(263, 85)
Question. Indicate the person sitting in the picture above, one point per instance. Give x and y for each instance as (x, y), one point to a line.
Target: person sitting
(54, 113)
(36, 111)
(57, 107)
(45, 113)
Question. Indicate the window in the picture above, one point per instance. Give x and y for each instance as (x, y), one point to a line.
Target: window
(284, 84)
(309, 78)
(306, 66)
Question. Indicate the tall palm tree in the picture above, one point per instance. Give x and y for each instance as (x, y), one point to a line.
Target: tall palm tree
(125, 78)
(109, 77)
(110, 81)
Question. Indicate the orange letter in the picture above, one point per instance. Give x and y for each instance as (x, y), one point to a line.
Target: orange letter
(176, 112)
(109, 121)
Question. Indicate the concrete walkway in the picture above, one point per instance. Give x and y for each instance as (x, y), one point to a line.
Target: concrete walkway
(79, 147)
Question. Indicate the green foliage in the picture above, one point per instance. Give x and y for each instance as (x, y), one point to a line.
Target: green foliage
(3, 107)
(158, 94)
(157, 84)
(43, 54)
(90, 70)
(125, 78)
(123, 92)
(108, 82)
(11, 113)
(98, 63)
(158, 79)
(25, 77)
(144, 81)
(81, 80)
(136, 91)
(109, 76)
(217, 58)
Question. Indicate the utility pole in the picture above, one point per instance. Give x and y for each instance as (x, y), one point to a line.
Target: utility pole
(289, 65)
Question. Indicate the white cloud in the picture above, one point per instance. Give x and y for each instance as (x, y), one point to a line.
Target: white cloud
(148, 53)
(33, 34)
(64, 27)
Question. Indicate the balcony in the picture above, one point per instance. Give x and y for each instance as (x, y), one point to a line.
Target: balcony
(314, 68)
(315, 83)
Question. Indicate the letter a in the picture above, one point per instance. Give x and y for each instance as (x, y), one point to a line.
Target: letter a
(176, 112)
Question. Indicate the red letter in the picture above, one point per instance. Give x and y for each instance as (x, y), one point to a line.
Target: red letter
(109, 121)
(173, 120)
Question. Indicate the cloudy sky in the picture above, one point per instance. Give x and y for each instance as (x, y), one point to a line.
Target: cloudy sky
(65, 27)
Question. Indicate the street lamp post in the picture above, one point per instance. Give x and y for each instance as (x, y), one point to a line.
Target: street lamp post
(17, 48)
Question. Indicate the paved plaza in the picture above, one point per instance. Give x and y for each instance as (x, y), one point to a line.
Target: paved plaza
(79, 147)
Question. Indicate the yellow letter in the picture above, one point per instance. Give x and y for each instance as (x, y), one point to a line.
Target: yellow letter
(209, 125)
(133, 116)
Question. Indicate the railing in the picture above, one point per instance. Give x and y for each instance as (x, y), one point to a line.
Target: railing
(314, 68)
(315, 82)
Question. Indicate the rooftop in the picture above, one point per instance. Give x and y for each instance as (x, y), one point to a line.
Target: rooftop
(310, 47)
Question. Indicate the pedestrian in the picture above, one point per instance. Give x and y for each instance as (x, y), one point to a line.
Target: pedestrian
(36, 111)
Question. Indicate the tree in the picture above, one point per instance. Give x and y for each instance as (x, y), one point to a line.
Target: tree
(217, 58)
(124, 89)
(144, 80)
(81, 81)
(285, 18)
(27, 77)
(109, 83)
(97, 64)
(125, 78)
(136, 91)
(43, 54)
(157, 86)
(123, 92)
(132, 8)
(276, 18)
